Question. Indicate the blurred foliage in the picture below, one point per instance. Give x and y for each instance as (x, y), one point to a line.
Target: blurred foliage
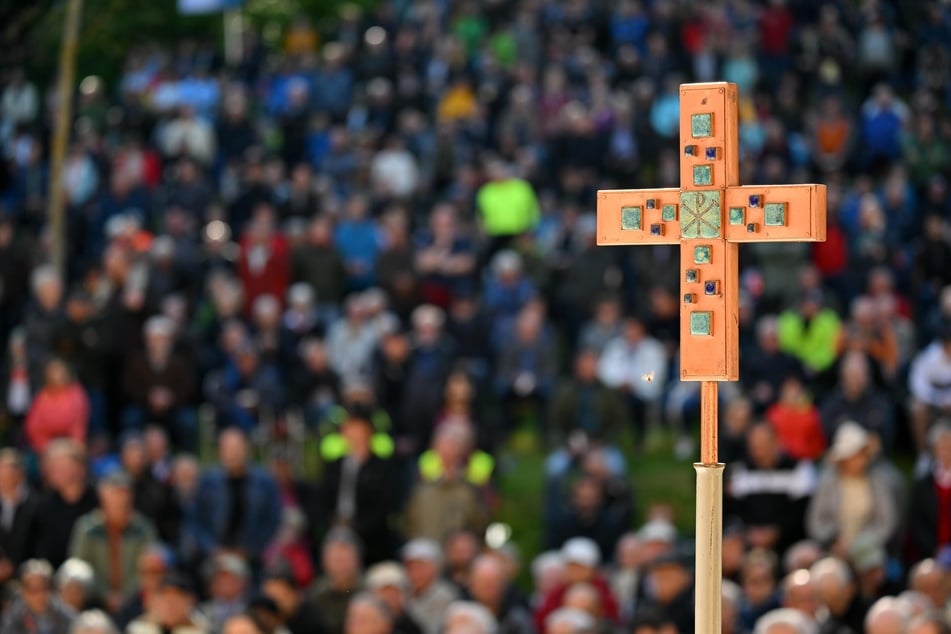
(30, 31)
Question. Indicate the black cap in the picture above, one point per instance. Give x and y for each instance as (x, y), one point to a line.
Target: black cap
(359, 412)
(177, 580)
(674, 557)
(282, 572)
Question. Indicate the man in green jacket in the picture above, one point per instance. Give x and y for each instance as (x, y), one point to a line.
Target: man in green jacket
(111, 538)
(811, 333)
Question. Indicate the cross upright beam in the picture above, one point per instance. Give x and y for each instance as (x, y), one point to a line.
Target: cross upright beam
(708, 216)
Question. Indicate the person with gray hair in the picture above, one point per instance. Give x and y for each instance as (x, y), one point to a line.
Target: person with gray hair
(802, 555)
(36, 608)
(930, 623)
(43, 318)
(469, 617)
(367, 614)
(93, 622)
(159, 384)
(569, 621)
(888, 615)
(342, 578)
(786, 621)
(839, 594)
(931, 494)
(430, 595)
(75, 583)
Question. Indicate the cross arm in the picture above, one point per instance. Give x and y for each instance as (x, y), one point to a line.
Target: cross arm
(638, 216)
(775, 213)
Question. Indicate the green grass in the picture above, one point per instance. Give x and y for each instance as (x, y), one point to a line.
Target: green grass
(656, 477)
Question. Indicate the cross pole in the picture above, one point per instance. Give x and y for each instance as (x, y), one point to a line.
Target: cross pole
(708, 215)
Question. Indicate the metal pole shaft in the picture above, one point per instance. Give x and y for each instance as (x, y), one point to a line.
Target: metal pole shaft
(709, 544)
(56, 208)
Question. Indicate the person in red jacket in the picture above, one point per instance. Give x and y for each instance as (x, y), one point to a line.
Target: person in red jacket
(265, 262)
(581, 557)
(795, 418)
(60, 409)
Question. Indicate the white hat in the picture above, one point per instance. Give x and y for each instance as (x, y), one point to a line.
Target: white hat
(387, 574)
(658, 531)
(422, 549)
(849, 440)
(581, 551)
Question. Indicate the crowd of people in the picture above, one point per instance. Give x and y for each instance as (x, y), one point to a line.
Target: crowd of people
(373, 247)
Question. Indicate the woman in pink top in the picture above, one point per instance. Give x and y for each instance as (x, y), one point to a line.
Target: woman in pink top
(60, 409)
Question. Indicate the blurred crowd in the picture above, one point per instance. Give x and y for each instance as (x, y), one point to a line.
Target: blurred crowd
(310, 295)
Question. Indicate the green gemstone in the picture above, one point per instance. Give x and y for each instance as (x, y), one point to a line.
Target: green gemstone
(630, 218)
(737, 215)
(701, 125)
(702, 174)
(701, 323)
(668, 213)
(702, 254)
(692, 275)
(774, 214)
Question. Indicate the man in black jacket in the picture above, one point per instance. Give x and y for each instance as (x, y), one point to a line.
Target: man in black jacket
(68, 497)
(359, 488)
(299, 616)
(18, 515)
(929, 514)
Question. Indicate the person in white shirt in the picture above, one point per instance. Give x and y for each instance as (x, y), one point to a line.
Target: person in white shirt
(636, 364)
(929, 381)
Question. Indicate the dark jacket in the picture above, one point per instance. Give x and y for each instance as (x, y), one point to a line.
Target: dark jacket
(177, 377)
(56, 519)
(375, 493)
(20, 542)
(923, 518)
(323, 269)
(19, 620)
(156, 501)
(592, 408)
(262, 511)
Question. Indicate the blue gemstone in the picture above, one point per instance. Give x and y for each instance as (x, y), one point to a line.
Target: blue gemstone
(655, 230)
(688, 298)
(710, 288)
(711, 154)
(690, 150)
(751, 228)
(651, 203)
(754, 200)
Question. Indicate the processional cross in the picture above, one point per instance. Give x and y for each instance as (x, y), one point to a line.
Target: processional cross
(708, 216)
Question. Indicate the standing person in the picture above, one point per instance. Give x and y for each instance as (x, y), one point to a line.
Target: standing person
(430, 594)
(358, 487)
(636, 364)
(507, 205)
(60, 409)
(19, 522)
(36, 609)
(111, 539)
(67, 498)
(238, 505)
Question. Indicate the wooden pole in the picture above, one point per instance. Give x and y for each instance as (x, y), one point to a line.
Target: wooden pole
(709, 544)
(56, 209)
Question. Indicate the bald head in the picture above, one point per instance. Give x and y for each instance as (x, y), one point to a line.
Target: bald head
(930, 579)
(487, 581)
(888, 615)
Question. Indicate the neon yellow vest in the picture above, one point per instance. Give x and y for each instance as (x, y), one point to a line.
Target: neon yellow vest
(478, 471)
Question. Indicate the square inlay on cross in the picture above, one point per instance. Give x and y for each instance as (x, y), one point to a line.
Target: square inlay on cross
(708, 215)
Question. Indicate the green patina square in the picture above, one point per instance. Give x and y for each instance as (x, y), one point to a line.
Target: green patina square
(701, 125)
(702, 254)
(774, 214)
(668, 213)
(630, 218)
(737, 215)
(702, 175)
(691, 276)
(701, 323)
(700, 214)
